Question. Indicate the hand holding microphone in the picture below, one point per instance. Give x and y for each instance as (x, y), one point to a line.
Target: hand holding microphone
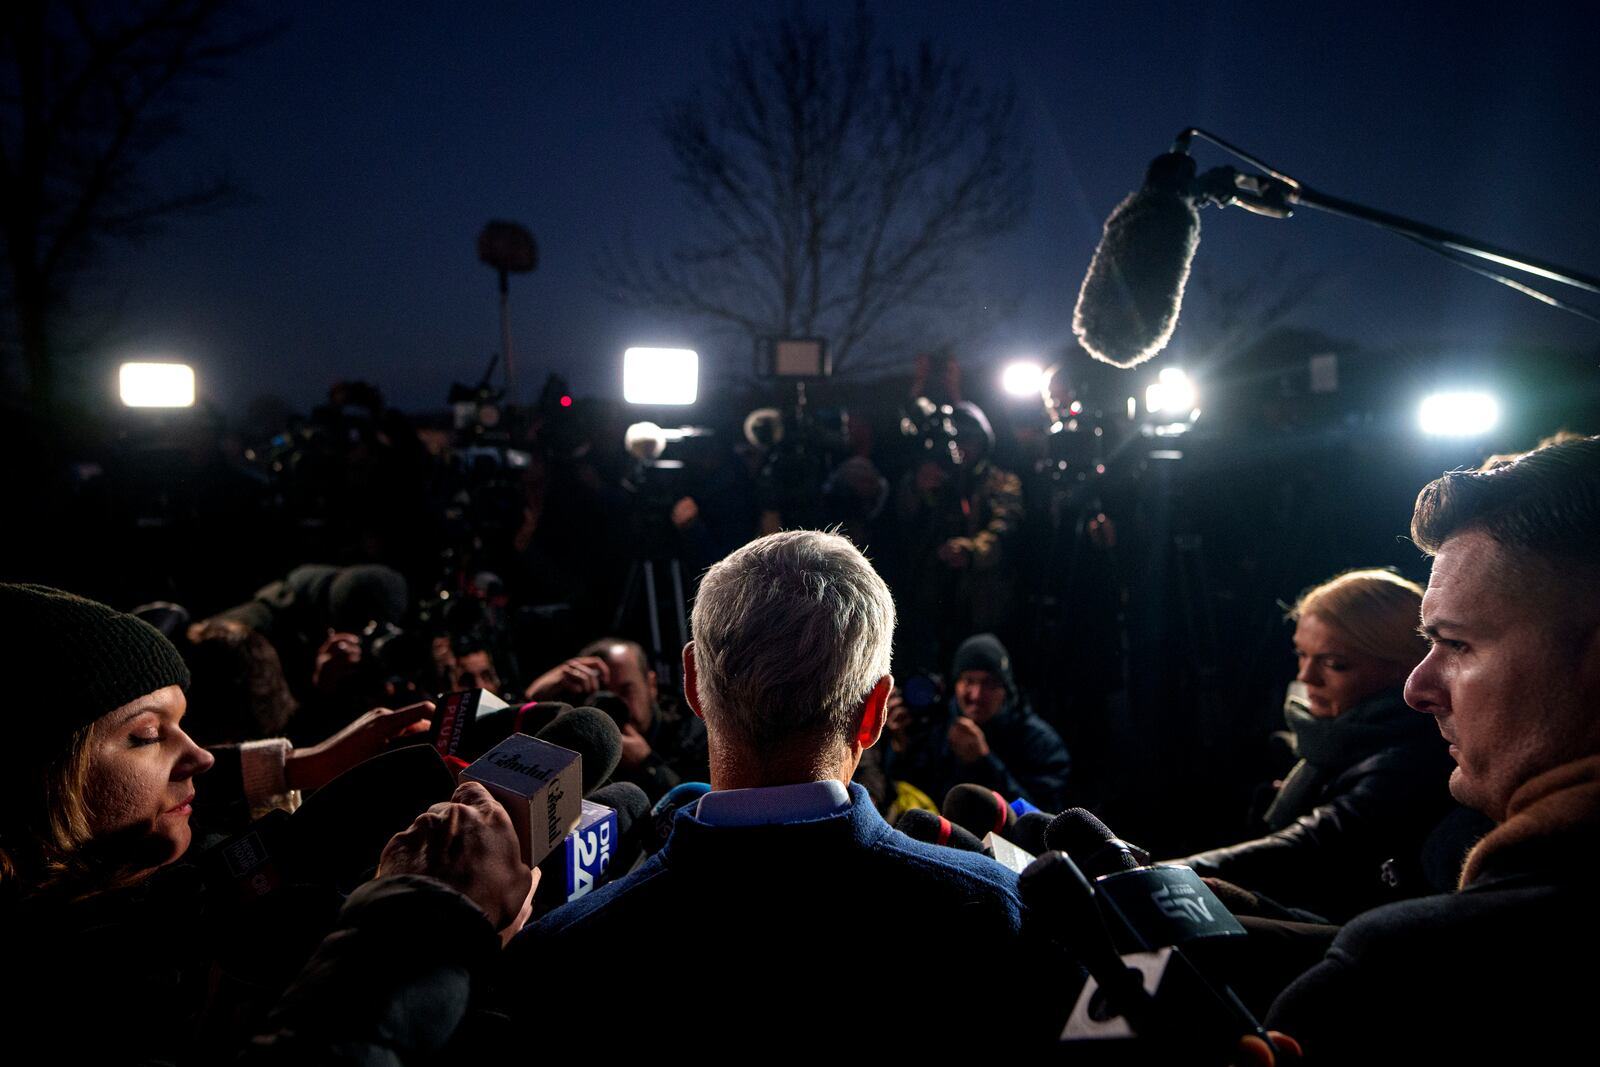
(468, 842)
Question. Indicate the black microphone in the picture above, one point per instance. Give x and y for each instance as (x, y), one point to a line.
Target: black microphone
(979, 810)
(537, 714)
(1060, 903)
(632, 806)
(1029, 832)
(590, 733)
(1091, 844)
(1147, 906)
(1161, 996)
(934, 829)
(1128, 305)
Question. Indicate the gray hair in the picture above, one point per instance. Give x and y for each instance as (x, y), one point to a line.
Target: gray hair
(791, 632)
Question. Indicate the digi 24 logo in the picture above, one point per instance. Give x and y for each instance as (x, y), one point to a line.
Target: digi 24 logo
(591, 855)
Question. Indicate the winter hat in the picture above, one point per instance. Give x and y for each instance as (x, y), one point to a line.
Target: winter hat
(984, 652)
(76, 659)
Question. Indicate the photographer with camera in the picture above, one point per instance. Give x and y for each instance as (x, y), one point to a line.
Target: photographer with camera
(987, 734)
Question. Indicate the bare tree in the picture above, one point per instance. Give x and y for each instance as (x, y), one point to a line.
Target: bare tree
(89, 94)
(840, 191)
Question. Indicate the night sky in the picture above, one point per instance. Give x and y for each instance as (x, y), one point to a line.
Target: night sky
(375, 142)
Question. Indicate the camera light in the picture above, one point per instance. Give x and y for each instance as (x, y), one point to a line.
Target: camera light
(1022, 378)
(156, 385)
(660, 375)
(1458, 414)
(1172, 393)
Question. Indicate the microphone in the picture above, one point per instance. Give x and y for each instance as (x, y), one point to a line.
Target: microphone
(680, 796)
(537, 714)
(632, 806)
(470, 722)
(1155, 994)
(1128, 305)
(979, 810)
(1091, 844)
(934, 829)
(1029, 832)
(1059, 902)
(1149, 906)
(591, 734)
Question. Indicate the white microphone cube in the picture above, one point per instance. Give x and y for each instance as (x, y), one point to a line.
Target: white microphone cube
(541, 786)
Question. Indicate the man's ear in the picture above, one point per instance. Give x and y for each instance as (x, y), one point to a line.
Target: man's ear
(691, 680)
(873, 713)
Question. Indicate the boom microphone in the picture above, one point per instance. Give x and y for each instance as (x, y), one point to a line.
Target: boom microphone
(1128, 305)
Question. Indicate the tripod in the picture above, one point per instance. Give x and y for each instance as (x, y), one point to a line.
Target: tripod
(642, 575)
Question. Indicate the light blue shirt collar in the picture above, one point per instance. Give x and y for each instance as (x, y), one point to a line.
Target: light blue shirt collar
(773, 804)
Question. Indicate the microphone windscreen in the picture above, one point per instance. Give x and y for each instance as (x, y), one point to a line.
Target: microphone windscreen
(978, 810)
(537, 714)
(626, 799)
(1029, 832)
(1090, 842)
(1128, 304)
(934, 829)
(634, 827)
(340, 830)
(590, 733)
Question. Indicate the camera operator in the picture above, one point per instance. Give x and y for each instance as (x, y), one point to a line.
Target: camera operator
(958, 515)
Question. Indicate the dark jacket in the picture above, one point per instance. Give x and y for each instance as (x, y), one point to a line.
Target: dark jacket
(1356, 838)
(399, 980)
(1027, 758)
(1499, 972)
(777, 937)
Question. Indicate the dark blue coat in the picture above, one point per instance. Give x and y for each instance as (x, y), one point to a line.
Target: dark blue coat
(830, 932)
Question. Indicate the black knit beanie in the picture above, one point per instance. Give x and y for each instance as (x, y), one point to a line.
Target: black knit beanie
(76, 659)
(984, 652)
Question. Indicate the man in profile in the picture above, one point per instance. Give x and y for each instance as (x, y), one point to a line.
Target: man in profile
(1501, 970)
(783, 906)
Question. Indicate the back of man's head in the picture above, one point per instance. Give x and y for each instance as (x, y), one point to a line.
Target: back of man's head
(791, 633)
(1544, 503)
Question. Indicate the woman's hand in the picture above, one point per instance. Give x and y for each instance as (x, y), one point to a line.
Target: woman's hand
(319, 764)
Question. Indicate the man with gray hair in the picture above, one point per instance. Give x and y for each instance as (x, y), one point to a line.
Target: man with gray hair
(784, 880)
(1502, 969)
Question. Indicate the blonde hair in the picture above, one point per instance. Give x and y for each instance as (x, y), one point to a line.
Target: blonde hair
(45, 822)
(1376, 610)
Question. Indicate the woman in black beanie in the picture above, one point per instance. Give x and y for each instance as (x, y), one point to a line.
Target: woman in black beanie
(112, 949)
(101, 782)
